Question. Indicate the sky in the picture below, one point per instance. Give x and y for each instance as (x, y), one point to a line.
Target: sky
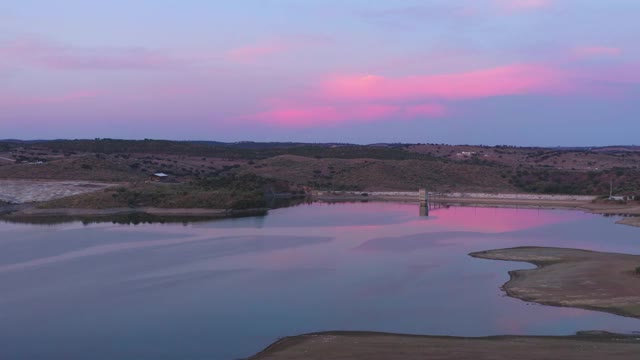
(516, 72)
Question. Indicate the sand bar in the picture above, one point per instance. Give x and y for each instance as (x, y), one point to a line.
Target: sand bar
(573, 278)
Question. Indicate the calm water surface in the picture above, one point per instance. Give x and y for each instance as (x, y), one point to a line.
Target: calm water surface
(226, 289)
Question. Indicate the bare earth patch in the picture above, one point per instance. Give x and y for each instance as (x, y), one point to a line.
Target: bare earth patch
(25, 191)
(574, 278)
(377, 346)
(632, 221)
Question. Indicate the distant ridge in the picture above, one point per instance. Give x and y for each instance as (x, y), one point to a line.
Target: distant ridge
(335, 166)
(258, 145)
(17, 141)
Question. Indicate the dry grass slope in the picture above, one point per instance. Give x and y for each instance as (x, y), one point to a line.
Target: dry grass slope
(149, 195)
(381, 175)
(84, 168)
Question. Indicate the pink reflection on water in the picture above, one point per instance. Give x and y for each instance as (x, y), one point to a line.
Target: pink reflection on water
(496, 220)
(472, 219)
(381, 226)
(360, 208)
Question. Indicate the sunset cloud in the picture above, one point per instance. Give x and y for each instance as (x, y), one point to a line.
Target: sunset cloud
(357, 98)
(309, 115)
(505, 80)
(437, 69)
(317, 115)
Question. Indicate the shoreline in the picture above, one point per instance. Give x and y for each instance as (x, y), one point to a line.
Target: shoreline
(560, 201)
(573, 278)
(356, 345)
(533, 201)
(32, 214)
(564, 277)
(526, 201)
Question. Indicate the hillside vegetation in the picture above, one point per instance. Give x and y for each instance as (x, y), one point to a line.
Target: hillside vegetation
(379, 175)
(438, 167)
(234, 192)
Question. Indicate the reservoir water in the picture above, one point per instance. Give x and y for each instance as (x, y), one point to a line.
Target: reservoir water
(226, 289)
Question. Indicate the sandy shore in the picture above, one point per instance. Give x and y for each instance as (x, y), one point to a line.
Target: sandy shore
(378, 346)
(574, 278)
(632, 221)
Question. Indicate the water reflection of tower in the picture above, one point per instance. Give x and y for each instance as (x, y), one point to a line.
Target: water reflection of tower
(423, 198)
(429, 201)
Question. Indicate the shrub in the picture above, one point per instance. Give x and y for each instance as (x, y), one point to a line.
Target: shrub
(638, 270)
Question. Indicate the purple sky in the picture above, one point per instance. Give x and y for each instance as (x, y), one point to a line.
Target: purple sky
(521, 72)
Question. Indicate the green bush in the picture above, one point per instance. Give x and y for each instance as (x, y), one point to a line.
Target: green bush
(638, 270)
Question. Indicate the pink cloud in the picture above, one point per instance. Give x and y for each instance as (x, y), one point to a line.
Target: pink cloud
(305, 115)
(597, 51)
(308, 115)
(506, 80)
(254, 53)
(358, 98)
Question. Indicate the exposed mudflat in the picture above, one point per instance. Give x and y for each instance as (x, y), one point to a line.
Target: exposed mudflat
(632, 221)
(26, 191)
(373, 346)
(574, 278)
